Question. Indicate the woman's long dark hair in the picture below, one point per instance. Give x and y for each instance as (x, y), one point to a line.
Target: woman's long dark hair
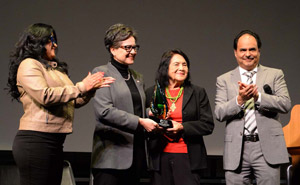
(162, 76)
(31, 45)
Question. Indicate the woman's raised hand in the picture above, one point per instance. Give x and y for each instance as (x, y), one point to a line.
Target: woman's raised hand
(96, 80)
(105, 82)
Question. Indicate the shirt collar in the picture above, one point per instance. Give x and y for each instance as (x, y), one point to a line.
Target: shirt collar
(242, 71)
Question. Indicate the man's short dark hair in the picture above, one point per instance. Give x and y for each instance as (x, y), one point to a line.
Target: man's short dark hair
(255, 35)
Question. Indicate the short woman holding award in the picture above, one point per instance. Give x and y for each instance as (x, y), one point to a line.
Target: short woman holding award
(119, 154)
(178, 153)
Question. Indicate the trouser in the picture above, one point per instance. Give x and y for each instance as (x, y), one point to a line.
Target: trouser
(115, 177)
(39, 157)
(253, 165)
(175, 170)
(129, 176)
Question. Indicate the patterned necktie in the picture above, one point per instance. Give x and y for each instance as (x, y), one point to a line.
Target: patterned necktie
(250, 122)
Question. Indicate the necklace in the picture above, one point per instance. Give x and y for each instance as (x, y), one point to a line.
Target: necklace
(173, 99)
(126, 79)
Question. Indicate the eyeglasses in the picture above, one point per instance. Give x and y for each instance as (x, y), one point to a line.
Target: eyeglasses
(52, 39)
(128, 48)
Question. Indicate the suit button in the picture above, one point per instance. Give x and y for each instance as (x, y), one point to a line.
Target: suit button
(241, 133)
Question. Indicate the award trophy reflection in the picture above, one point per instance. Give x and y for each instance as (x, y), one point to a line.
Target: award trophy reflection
(159, 108)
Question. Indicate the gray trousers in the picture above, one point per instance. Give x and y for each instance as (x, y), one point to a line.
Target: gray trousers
(253, 166)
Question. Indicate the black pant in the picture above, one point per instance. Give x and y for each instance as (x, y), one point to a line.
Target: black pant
(39, 157)
(115, 177)
(129, 176)
(175, 170)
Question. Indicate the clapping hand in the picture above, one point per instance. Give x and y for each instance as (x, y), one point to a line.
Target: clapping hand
(247, 92)
(96, 80)
(104, 82)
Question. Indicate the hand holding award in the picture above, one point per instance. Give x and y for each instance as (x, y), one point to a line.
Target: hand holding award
(159, 108)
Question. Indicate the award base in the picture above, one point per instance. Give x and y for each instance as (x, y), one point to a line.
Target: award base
(162, 122)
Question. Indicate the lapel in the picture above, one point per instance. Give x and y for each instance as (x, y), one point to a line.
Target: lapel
(113, 72)
(119, 89)
(260, 77)
(137, 80)
(187, 93)
(235, 77)
(121, 85)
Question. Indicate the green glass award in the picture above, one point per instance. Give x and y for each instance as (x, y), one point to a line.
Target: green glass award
(159, 107)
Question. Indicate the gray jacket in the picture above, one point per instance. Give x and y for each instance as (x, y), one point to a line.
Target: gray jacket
(115, 121)
(269, 128)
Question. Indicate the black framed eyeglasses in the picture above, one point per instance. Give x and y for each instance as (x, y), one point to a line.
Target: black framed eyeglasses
(128, 48)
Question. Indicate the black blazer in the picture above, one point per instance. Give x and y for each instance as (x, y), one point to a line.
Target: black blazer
(197, 121)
